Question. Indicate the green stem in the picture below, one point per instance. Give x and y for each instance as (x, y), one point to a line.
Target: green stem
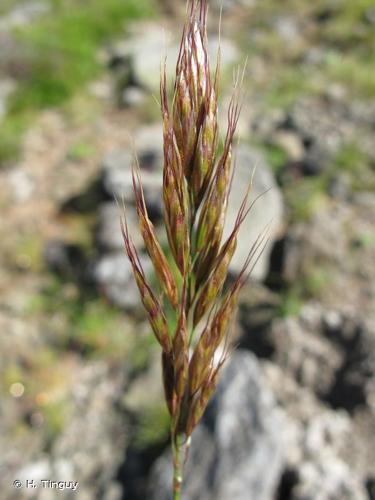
(178, 462)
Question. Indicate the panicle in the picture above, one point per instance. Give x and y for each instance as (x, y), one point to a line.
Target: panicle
(201, 398)
(196, 187)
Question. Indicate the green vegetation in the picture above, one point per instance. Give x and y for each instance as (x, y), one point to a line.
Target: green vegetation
(340, 31)
(350, 158)
(276, 156)
(310, 285)
(80, 151)
(6, 5)
(11, 130)
(365, 239)
(305, 196)
(291, 304)
(87, 324)
(315, 281)
(152, 426)
(43, 379)
(27, 253)
(55, 415)
(64, 46)
(62, 56)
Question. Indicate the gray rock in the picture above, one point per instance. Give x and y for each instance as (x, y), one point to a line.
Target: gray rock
(322, 239)
(300, 349)
(117, 169)
(237, 450)
(93, 442)
(6, 88)
(287, 28)
(21, 183)
(109, 234)
(328, 453)
(339, 186)
(330, 479)
(22, 14)
(322, 471)
(114, 277)
(89, 447)
(328, 352)
(326, 126)
(291, 144)
(132, 96)
(145, 47)
(267, 209)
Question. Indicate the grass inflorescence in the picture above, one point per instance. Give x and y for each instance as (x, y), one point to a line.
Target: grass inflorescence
(197, 178)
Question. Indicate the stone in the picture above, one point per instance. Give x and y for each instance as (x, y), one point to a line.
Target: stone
(22, 14)
(321, 239)
(287, 28)
(117, 169)
(93, 441)
(332, 478)
(370, 15)
(66, 260)
(311, 358)
(339, 186)
(239, 438)
(145, 47)
(291, 144)
(317, 253)
(6, 88)
(101, 89)
(328, 454)
(21, 183)
(327, 125)
(109, 235)
(268, 209)
(132, 96)
(114, 277)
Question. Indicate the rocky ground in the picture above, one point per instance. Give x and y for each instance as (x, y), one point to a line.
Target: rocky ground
(294, 416)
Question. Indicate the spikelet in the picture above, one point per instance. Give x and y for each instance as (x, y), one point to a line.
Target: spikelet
(175, 194)
(212, 217)
(168, 380)
(161, 266)
(213, 286)
(151, 304)
(191, 85)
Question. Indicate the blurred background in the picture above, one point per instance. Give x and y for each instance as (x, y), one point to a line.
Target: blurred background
(81, 396)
